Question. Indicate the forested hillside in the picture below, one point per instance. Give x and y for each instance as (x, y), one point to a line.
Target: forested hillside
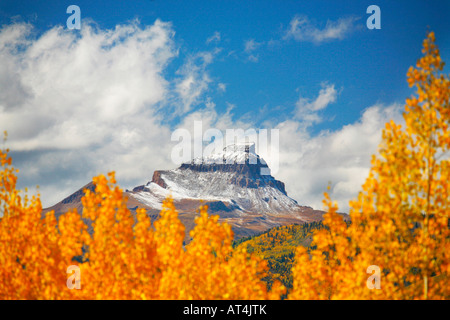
(277, 246)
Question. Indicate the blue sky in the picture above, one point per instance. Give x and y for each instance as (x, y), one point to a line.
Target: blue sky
(248, 64)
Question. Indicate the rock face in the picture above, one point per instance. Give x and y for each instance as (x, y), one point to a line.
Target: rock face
(79, 194)
(235, 184)
(158, 180)
(247, 175)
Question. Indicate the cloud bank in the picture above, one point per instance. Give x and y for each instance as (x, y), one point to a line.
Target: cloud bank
(79, 104)
(306, 110)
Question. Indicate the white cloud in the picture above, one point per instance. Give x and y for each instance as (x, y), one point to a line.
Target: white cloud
(74, 95)
(306, 109)
(76, 106)
(302, 29)
(194, 81)
(249, 47)
(214, 38)
(222, 87)
(253, 58)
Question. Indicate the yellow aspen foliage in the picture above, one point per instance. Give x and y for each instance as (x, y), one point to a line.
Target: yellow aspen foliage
(210, 269)
(125, 257)
(34, 252)
(400, 220)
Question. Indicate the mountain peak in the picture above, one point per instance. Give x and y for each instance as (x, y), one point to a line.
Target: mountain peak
(233, 154)
(246, 147)
(233, 175)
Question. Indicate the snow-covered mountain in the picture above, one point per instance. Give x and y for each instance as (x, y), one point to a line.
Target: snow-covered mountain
(235, 184)
(232, 176)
